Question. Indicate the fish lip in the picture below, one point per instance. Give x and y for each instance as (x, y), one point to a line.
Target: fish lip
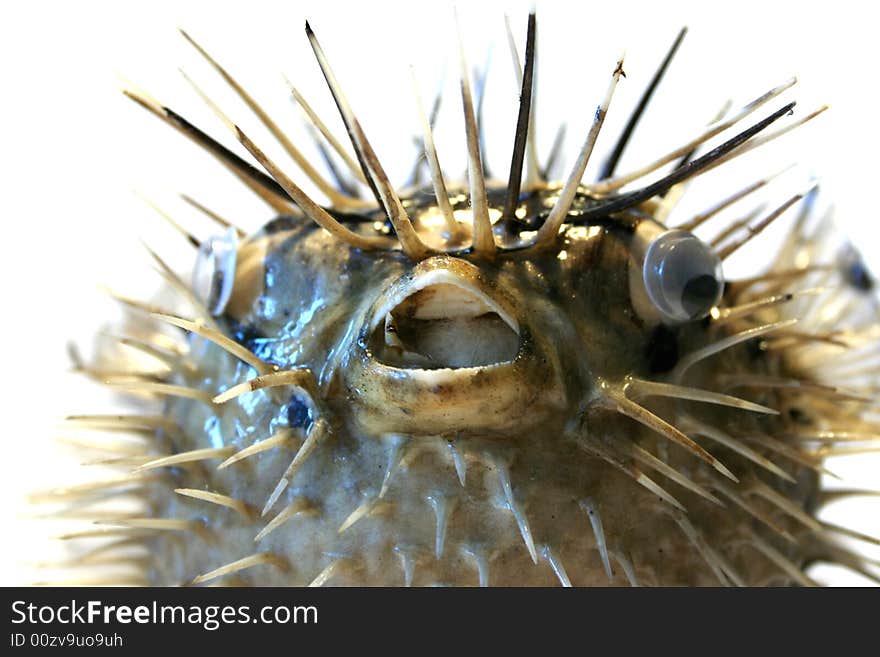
(437, 375)
(485, 400)
(479, 296)
(407, 287)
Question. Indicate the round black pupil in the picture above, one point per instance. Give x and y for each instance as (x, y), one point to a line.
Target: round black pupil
(698, 293)
(216, 287)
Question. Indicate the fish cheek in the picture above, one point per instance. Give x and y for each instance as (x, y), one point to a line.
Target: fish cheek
(598, 296)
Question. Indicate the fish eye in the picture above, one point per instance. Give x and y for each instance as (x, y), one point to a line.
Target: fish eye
(214, 271)
(682, 276)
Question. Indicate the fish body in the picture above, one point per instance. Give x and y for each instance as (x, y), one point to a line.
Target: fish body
(515, 382)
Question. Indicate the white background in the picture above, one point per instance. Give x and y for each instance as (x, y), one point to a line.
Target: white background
(73, 148)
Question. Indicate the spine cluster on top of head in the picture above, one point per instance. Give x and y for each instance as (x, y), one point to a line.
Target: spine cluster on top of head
(285, 196)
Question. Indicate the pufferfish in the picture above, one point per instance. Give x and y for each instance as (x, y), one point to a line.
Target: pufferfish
(495, 382)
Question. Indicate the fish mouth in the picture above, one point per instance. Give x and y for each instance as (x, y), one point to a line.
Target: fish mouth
(440, 320)
(444, 350)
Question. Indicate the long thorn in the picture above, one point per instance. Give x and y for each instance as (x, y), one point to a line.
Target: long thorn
(624, 201)
(242, 169)
(484, 238)
(335, 197)
(522, 126)
(599, 533)
(630, 470)
(261, 558)
(409, 240)
(437, 181)
(716, 128)
(353, 166)
(302, 378)
(192, 239)
(725, 343)
(642, 415)
(223, 223)
(533, 173)
(637, 388)
(243, 509)
(647, 458)
(226, 343)
(314, 211)
(760, 226)
(299, 505)
(723, 438)
(279, 439)
(555, 149)
(548, 231)
(770, 136)
(699, 219)
(611, 163)
(192, 456)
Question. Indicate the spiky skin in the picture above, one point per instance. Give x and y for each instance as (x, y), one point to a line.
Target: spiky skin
(585, 331)
(558, 463)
